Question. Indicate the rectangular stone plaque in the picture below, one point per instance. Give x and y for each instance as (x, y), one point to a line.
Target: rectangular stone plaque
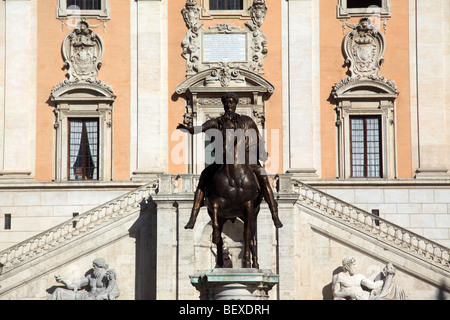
(224, 47)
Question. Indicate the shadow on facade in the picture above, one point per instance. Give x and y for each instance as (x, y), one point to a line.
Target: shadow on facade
(144, 233)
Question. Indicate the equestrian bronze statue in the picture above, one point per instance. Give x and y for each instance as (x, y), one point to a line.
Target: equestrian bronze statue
(236, 183)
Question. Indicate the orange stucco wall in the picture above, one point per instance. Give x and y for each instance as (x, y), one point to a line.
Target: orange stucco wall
(395, 67)
(272, 72)
(176, 75)
(115, 71)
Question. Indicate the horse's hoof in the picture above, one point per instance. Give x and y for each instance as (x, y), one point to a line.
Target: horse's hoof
(190, 225)
(277, 223)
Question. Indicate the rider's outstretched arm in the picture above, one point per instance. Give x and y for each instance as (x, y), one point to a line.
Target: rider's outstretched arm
(210, 124)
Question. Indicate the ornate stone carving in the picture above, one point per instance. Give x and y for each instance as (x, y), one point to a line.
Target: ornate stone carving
(100, 281)
(363, 52)
(390, 290)
(252, 40)
(191, 14)
(82, 51)
(248, 80)
(224, 74)
(349, 285)
(258, 12)
(68, 83)
(364, 49)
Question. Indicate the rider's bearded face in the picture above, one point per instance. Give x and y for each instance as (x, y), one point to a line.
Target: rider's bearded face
(230, 105)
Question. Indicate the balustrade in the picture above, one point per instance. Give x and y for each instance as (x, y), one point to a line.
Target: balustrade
(59, 234)
(186, 184)
(373, 224)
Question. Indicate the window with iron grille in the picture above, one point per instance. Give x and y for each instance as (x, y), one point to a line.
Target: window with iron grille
(83, 149)
(365, 141)
(351, 4)
(75, 9)
(226, 4)
(363, 8)
(84, 4)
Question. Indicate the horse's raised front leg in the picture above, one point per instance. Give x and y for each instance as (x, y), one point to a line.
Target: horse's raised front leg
(195, 209)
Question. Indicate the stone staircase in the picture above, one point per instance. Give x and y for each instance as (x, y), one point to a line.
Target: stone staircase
(383, 230)
(415, 254)
(23, 263)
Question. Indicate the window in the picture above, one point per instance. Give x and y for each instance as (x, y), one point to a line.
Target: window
(360, 8)
(352, 4)
(83, 149)
(226, 4)
(365, 147)
(224, 8)
(84, 4)
(83, 8)
(376, 212)
(7, 221)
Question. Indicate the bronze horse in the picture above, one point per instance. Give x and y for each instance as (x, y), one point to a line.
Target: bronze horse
(236, 188)
(235, 193)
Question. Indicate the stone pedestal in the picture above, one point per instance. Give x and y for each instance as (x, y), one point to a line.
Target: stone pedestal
(234, 284)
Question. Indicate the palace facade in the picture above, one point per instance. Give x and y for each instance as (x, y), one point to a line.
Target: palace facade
(352, 98)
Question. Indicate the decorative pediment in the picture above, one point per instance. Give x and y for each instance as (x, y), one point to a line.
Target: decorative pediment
(78, 91)
(226, 78)
(365, 89)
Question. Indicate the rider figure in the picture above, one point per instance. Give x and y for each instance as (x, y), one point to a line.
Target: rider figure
(233, 120)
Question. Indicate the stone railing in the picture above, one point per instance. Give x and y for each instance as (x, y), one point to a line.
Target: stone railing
(170, 185)
(45, 241)
(373, 224)
(187, 183)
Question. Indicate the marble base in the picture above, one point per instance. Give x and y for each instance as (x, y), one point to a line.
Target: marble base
(234, 284)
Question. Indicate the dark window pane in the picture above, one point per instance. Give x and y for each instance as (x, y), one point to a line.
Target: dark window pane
(351, 4)
(226, 4)
(7, 221)
(365, 147)
(83, 149)
(84, 4)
